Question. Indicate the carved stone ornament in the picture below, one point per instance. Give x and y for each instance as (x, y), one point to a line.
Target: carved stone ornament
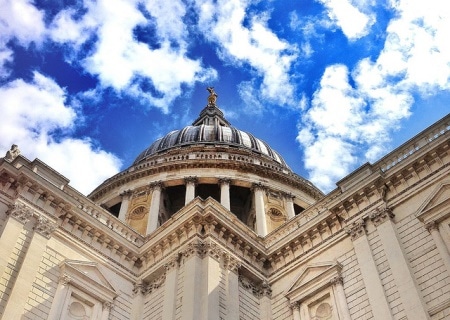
(191, 179)
(12, 153)
(156, 185)
(20, 212)
(44, 227)
(65, 279)
(138, 213)
(108, 306)
(224, 181)
(258, 290)
(381, 215)
(356, 229)
(230, 263)
(337, 280)
(295, 305)
(259, 186)
(432, 225)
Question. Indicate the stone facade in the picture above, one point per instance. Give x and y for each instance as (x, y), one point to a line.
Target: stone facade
(215, 231)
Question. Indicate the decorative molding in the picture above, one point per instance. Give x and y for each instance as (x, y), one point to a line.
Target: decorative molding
(379, 216)
(259, 186)
(157, 184)
(356, 229)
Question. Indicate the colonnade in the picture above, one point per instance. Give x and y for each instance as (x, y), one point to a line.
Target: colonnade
(225, 184)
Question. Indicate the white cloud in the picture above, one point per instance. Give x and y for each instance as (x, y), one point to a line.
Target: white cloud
(21, 21)
(122, 62)
(31, 115)
(353, 22)
(255, 45)
(415, 59)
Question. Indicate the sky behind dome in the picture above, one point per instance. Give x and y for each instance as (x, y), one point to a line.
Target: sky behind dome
(87, 85)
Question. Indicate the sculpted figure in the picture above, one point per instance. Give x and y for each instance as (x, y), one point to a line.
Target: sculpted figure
(12, 153)
(212, 98)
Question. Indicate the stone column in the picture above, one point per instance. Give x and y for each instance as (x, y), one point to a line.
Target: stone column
(296, 310)
(369, 272)
(126, 196)
(342, 306)
(289, 204)
(190, 188)
(225, 192)
(433, 228)
(170, 289)
(261, 222)
(155, 204)
(29, 269)
(412, 301)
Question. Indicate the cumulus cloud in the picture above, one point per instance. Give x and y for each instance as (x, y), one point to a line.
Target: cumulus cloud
(19, 20)
(153, 72)
(35, 117)
(353, 22)
(360, 109)
(255, 45)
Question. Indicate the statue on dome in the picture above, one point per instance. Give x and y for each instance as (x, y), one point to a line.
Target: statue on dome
(212, 98)
(12, 153)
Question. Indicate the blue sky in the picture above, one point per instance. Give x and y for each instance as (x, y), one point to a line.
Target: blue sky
(330, 84)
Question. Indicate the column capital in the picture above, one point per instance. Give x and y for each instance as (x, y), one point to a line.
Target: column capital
(230, 263)
(432, 225)
(191, 179)
(337, 280)
(380, 215)
(44, 227)
(287, 195)
(171, 264)
(295, 305)
(356, 229)
(224, 181)
(20, 212)
(107, 306)
(258, 186)
(156, 185)
(126, 194)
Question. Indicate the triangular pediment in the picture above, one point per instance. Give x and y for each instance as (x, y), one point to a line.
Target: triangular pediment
(435, 207)
(89, 277)
(312, 278)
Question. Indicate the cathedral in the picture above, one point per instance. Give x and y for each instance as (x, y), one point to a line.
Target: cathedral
(210, 223)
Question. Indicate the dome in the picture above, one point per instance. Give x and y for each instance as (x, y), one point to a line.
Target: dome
(210, 134)
(211, 128)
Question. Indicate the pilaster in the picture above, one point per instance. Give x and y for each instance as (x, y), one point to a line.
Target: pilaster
(170, 289)
(410, 296)
(369, 271)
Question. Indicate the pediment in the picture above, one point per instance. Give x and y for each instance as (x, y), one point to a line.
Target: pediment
(88, 277)
(311, 279)
(435, 207)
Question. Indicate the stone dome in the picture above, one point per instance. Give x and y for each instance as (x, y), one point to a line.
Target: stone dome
(211, 128)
